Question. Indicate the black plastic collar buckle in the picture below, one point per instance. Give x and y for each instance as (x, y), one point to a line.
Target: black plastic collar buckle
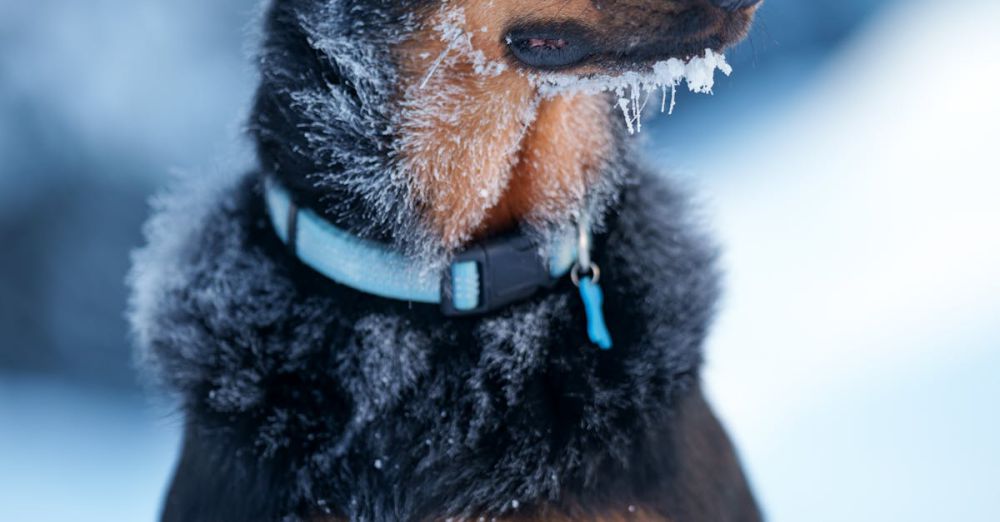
(511, 269)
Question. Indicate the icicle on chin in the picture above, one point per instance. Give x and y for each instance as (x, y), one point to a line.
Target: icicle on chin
(633, 89)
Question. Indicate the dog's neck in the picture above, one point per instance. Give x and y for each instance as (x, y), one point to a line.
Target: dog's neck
(498, 160)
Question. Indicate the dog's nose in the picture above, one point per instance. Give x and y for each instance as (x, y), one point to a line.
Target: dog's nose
(735, 5)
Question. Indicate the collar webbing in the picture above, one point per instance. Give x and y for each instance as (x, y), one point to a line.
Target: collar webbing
(486, 276)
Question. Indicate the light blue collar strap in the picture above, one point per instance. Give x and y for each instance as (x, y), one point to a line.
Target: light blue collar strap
(482, 279)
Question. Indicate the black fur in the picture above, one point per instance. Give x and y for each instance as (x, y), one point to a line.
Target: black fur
(303, 397)
(308, 149)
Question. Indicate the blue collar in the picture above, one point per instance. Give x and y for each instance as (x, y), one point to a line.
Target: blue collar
(485, 277)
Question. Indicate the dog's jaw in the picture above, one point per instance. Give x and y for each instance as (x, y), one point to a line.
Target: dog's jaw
(484, 151)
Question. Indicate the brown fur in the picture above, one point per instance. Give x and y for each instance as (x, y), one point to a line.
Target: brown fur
(559, 157)
(543, 153)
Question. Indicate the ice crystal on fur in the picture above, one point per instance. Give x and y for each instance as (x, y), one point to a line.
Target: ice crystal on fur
(634, 88)
(446, 154)
(458, 40)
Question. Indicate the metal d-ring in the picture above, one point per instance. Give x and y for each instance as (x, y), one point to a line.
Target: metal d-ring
(574, 274)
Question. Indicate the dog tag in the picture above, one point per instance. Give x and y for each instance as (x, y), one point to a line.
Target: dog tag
(593, 304)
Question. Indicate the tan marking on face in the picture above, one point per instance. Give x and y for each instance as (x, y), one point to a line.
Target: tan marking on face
(491, 152)
(561, 155)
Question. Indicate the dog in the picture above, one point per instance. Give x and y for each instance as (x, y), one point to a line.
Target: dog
(448, 291)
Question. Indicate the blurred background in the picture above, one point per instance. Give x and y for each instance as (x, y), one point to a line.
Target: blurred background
(846, 166)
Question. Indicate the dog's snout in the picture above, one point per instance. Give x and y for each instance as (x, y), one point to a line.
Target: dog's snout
(735, 5)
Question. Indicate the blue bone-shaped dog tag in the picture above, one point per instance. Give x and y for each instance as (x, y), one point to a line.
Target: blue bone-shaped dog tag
(593, 303)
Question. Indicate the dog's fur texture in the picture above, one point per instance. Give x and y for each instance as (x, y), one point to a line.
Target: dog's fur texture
(306, 400)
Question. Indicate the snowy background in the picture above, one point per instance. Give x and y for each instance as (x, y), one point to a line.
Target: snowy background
(846, 166)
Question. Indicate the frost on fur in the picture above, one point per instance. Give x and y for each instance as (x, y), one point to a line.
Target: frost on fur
(451, 29)
(634, 89)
